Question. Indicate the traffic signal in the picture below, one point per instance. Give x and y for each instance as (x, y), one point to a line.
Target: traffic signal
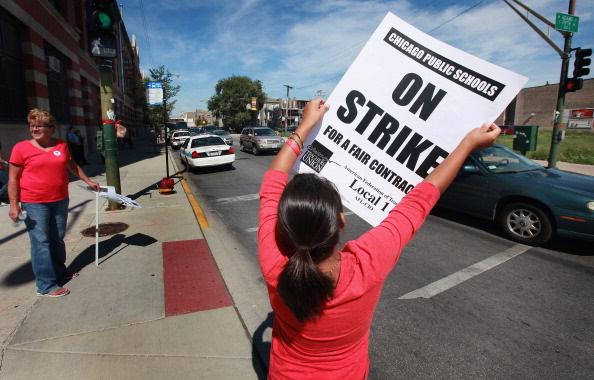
(572, 85)
(101, 19)
(581, 63)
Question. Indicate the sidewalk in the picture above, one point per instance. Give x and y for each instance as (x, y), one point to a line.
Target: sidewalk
(156, 306)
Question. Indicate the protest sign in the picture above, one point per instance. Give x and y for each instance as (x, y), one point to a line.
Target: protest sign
(405, 102)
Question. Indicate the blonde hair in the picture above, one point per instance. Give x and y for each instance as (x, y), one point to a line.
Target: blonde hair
(42, 116)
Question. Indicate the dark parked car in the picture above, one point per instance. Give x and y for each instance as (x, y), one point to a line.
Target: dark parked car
(529, 202)
(206, 129)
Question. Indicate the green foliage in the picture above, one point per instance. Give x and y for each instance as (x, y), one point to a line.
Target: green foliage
(231, 97)
(576, 148)
(154, 114)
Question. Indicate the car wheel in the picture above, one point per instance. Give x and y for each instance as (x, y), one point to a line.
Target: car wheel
(255, 150)
(526, 223)
(241, 147)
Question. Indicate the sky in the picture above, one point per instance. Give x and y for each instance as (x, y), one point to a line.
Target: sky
(309, 45)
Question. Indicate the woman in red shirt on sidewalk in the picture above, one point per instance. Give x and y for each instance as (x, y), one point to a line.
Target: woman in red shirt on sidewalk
(324, 297)
(38, 178)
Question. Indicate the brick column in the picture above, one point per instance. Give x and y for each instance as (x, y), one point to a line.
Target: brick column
(35, 71)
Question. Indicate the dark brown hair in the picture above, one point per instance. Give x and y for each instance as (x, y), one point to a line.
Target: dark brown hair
(307, 231)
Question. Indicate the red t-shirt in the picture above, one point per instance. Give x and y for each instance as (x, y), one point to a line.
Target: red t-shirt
(44, 177)
(335, 345)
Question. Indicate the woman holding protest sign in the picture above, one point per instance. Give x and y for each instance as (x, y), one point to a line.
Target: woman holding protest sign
(324, 296)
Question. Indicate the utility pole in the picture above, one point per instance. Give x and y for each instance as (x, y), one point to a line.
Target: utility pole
(101, 19)
(558, 128)
(287, 107)
(565, 54)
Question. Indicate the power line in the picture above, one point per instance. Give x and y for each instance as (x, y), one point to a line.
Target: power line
(456, 16)
(146, 34)
(357, 47)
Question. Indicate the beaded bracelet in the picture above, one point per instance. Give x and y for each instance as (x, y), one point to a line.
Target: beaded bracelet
(294, 146)
(300, 142)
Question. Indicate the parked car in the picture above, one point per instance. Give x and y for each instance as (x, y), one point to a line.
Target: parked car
(178, 138)
(206, 150)
(224, 135)
(260, 139)
(529, 202)
(207, 129)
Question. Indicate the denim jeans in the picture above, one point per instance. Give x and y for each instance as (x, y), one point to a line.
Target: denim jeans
(46, 224)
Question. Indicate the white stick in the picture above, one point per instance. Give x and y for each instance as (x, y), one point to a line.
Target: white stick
(97, 229)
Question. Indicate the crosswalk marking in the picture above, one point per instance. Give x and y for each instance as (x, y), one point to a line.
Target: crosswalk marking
(239, 198)
(465, 274)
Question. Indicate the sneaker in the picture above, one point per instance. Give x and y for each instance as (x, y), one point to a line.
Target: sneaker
(58, 292)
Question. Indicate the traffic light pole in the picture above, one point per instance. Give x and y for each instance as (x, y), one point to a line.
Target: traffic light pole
(565, 55)
(112, 169)
(558, 127)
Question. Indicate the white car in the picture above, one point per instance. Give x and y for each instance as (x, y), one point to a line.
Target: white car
(178, 138)
(206, 150)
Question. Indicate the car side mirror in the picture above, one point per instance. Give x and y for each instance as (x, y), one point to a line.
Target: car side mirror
(470, 169)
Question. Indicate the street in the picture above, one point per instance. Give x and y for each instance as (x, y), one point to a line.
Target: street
(463, 301)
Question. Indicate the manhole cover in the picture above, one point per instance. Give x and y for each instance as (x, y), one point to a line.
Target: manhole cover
(105, 229)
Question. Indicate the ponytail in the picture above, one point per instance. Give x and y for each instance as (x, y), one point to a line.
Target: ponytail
(303, 287)
(307, 231)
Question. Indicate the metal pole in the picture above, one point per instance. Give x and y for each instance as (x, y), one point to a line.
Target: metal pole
(112, 169)
(287, 107)
(166, 139)
(558, 126)
(97, 229)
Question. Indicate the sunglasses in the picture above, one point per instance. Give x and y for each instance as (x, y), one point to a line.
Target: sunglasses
(40, 126)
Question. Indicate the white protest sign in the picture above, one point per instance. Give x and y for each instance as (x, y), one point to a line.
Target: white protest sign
(403, 105)
(110, 193)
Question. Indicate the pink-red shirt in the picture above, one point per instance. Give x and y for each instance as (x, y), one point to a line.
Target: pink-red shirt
(44, 177)
(335, 345)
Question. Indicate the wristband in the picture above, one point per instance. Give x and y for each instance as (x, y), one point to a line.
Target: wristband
(293, 145)
(300, 142)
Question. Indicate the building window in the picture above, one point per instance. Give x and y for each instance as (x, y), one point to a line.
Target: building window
(13, 98)
(57, 84)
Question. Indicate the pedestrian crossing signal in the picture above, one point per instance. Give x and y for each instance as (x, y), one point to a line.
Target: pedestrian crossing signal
(101, 19)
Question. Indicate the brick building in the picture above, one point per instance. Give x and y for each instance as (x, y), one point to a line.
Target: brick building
(542, 102)
(44, 63)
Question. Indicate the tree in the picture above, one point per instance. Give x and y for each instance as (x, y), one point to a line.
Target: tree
(155, 113)
(231, 97)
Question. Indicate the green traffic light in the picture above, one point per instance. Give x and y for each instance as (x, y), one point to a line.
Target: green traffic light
(104, 20)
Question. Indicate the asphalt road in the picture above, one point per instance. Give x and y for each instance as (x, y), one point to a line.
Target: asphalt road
(463, 302)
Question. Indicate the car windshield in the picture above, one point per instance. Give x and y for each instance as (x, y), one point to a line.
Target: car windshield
(220, 132)
(263, 132)
(498, 159)
(207, 141)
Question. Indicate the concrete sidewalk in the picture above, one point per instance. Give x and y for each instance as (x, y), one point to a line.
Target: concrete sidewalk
(113, 325)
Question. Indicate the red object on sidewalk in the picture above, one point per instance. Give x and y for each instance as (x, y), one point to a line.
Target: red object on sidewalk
(166, 185)
(191, 278)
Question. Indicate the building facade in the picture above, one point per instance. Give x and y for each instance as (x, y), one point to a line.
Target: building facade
(45, 63)
(537, 105)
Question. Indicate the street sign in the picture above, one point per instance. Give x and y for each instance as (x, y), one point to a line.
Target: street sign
(154, 93)
(254, 104)
(567, 23)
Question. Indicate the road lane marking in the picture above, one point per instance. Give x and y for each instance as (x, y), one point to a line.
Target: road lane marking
(239, 198)
(466, 274)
